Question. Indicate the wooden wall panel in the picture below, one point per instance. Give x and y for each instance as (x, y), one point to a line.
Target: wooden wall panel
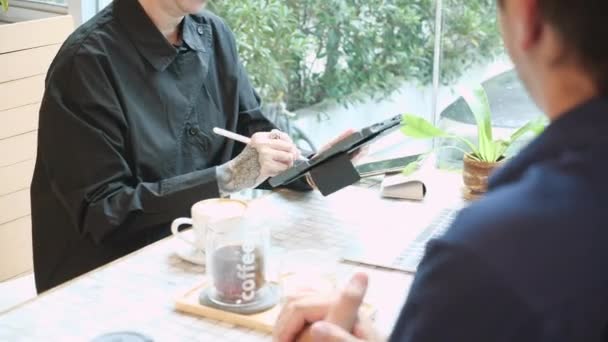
(16, 248)
(27, 63)
(21, 92)
(16, 177)
(26, 51)
(35, 33)
(19, 120)
(14, 205)
(18, 148)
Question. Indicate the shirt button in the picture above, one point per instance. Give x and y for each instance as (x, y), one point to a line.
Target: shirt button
(193, 131)
(199, 30)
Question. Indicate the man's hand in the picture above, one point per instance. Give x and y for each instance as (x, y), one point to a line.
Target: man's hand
(363, 331)
(327, 319)
(267, 155)
(355, 156)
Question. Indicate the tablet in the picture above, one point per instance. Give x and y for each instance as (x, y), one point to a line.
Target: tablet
(348, 145)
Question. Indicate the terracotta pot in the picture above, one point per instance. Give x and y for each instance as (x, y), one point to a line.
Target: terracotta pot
(475, 176)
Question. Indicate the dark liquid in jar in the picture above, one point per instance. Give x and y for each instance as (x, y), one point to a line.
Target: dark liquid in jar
(238, 273)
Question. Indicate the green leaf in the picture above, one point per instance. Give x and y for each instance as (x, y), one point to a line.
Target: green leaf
(499, 147)
(415, 165)
(448, 147)
(534, 126)
(410, 168)
(419, 128)
(474, 149)
(477, 100)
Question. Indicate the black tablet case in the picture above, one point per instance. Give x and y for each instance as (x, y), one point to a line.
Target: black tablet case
(332, 170)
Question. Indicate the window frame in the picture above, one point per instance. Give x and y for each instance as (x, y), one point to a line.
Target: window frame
(41, 6)
(23, 10)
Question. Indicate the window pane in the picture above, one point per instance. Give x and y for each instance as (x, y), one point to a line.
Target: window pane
(337, 64)
(103, 3)
(340, 65)
(473, 53)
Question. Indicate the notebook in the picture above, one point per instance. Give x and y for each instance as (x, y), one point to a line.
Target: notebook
(403, 187)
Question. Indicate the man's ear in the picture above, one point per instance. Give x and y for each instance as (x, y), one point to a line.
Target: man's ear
(530, 28)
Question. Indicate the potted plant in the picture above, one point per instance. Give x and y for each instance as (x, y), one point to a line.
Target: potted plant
(479, 159)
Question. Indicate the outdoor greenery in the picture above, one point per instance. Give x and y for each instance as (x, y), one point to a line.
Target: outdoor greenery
(305, 51)
(487, 148)
(4, 5)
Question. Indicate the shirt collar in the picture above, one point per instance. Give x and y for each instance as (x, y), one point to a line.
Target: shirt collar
(196, 34)
(150, 42)
(584, 126)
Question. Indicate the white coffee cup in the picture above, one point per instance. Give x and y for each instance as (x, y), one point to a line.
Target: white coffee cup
(206, 213)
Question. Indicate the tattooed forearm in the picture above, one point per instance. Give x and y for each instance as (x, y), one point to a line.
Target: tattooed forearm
(243, 172)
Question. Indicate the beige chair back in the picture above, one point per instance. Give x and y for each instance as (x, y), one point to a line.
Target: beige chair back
(26, 51)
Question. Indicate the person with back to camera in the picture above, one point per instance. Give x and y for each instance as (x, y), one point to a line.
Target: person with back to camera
(528, 262)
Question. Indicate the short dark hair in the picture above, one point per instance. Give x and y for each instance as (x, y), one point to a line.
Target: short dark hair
(583, 24)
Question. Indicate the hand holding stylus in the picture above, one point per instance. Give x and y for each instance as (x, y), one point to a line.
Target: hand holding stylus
(265, 155)
(276, 134)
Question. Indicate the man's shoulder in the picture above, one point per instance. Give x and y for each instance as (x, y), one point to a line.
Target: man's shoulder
(501, 222)
(544, 198)
(538, 231)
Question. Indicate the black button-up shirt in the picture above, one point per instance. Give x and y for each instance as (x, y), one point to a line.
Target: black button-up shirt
(125, 138)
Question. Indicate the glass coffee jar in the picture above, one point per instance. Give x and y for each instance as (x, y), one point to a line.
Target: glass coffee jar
(237, 252)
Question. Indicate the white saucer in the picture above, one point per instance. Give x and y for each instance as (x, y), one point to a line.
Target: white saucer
(191, 255)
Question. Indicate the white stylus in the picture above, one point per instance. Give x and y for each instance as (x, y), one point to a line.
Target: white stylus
(231, 135)
(241, 138)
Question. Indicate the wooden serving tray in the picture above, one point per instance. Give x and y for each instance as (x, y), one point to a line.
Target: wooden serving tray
(263, 321)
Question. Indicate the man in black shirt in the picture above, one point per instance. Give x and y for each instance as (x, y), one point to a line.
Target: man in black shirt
(528, 262)
(125, 142)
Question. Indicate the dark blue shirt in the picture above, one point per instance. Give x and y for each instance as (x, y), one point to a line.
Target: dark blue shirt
(529, 262)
